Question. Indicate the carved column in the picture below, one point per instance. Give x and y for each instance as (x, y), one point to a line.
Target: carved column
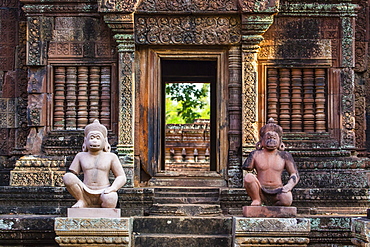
(122, 25)
(234, 171)
(347, 83)
(253, 26)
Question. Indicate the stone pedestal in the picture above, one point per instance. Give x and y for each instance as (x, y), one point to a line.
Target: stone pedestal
(271, 232)
(269, 212)
(361, 232)
(93, 213)
(95, 230)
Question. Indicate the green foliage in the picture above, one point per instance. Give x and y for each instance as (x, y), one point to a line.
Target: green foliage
(186, 102)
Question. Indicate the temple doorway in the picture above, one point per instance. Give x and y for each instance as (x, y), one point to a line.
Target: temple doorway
(179, 141)
(189, 115)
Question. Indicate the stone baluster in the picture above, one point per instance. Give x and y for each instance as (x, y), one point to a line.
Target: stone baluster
(71, 98)
(82, 97)
(308, 100)
(285, 99)
(172, 155)
(320, 100)
(206, 154)
(296, 100)
(183, 154)
(272, 94)
(59, 98)
(105, 96)
(195, 154)
(94, 93)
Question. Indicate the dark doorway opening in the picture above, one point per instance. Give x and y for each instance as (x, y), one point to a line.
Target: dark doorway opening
(189, 115)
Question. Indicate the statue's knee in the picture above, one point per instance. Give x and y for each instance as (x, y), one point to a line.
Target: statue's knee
(109, 200)
(249, 178)
(70, 179)
(285, 199)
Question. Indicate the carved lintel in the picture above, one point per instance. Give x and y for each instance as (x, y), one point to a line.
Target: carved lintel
(187, 30)
(193, 6)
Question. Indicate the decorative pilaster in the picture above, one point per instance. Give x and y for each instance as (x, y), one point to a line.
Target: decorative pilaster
(234, 171)
(347, 83)
(253, 28)
(122, 25)
(39, 34)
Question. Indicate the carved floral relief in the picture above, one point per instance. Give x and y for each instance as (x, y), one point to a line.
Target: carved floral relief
(201, 30)
(186, 5)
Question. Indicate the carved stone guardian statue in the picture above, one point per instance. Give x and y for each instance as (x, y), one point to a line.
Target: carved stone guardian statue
(269, 160)
(95, 161)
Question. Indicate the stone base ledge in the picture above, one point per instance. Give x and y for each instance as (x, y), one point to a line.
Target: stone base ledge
(271, 231)
(75, 232)
(94, 212)
(269, 212)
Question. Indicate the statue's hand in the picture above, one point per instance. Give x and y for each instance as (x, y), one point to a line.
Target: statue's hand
(287, 188)
(109, 190)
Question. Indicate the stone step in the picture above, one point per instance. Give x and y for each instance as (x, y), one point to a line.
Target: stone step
(186, 195)
(186, 209)
(186, 189)
(188, 182)
(191, 240)
(186, 200)
(182, 225)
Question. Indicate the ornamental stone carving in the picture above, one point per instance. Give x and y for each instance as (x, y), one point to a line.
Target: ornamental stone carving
(186, 6)
(270, 6)
(200, 30)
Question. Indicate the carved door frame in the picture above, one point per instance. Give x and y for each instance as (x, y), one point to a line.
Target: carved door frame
(148, 105)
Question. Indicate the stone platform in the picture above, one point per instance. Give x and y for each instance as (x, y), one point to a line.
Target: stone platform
(93, 227)
(269, 212)
(258, 232)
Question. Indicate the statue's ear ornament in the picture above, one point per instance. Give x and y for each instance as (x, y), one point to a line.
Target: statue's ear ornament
(282, 146)
(258, 145)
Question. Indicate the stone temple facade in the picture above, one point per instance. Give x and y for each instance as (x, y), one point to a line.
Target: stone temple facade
(65, 63)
